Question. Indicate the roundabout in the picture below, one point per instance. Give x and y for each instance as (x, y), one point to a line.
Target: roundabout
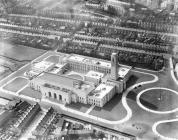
(151, 110)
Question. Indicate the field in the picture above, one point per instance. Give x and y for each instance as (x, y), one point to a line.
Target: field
(164, 100)
(31, 93)
(53, 59)
(14, 56)
(112, 111)
(137, 77)
(19, 53)
(16, 84)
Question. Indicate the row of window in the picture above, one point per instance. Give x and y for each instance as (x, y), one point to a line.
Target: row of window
(81, 99)
(38, 88)
(94, 102)
(87, 68)
(55, 96)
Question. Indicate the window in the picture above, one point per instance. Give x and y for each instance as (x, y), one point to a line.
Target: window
(60, 97)
(55, 96)
(49, 94)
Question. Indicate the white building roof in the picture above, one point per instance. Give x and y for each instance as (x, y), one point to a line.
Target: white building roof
(89, 60)
(102, 90)
(60, 80)
(116, 2)
(123, 71)
(76, 58)
(33, 72)
(57, 68)
(43, 65)
(102, 63)
(94, 74)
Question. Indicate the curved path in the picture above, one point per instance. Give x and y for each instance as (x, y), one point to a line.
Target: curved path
(172, 71)
(124, 97)
(153, 111)
(155, 125)
(124, 102)
(154, 129)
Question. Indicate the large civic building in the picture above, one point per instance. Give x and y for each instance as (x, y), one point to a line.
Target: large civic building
(78, 78)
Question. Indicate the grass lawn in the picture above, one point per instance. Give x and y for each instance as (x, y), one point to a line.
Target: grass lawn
(141, 122)
(18, 52)
(169, 129)
(165, 100)
(31, 93)
(4, 72)
(53, 59)
(16, 84)
(137, 78)
(112, 111)
(79, 107)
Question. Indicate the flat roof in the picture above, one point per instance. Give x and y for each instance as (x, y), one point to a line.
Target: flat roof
(54, 81)
(123, 71)
(89, 60)
(102, 90)
(57, 68)
(76, 58)
(116, 2)
(34, 72)
(94, 74)
(43, 65)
